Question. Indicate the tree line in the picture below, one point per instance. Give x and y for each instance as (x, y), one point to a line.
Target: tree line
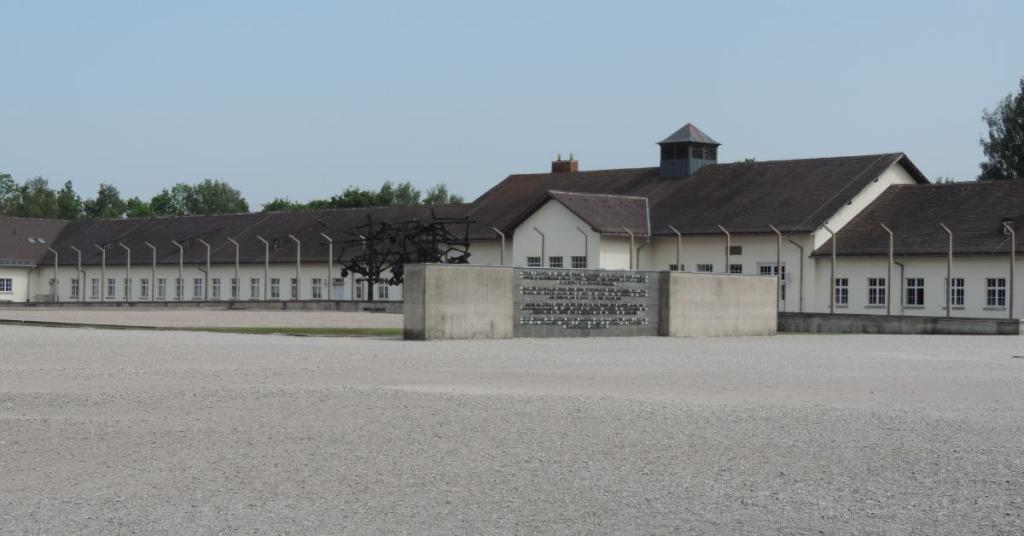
(34, 198)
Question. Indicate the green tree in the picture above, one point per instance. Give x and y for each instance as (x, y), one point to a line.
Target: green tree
(203, 198)
(354, 197)
(173, 201)
(216, 197)
(36, 199)
(9, 196)
(438, 195)
(107, 204)
(1005, 144)
(283, 204)
(137, 208)
(69, 204)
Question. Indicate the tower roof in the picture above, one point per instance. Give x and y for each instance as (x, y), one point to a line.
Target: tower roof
(689, 133)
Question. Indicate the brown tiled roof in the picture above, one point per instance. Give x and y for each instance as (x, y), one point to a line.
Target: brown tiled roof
(793, 195)
(604, 213)
(973, 211)
(244, 228)
(19, 239)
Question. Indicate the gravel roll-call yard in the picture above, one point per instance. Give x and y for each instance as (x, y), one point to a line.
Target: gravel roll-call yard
(145, 432)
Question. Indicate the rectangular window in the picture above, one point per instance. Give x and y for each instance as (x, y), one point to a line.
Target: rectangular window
(995, 292)
(533, 262)
(316, 288)
(74, 288)
(957, 298)
(579, 261)
(6, 285)
(179, 288)
(215, 288)
(915, 291)
(677, 267)
(359, 289)
(144, 288)
(127, 289)
(234, 288)
(254, 288)
(554, 262)
(842, 291)
(876, 291)
(111, 287)
(382, 292)
(197, 288)
(95, 288)
(735, 268)
(275, 288)
(735, 250)
(295, 289)
(161, 289)
(705, 268)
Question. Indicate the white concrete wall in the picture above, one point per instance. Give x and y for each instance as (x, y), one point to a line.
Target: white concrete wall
(562, 238)
(757, 250)
(488, 252)
(974, 270)
(225, 272)
(20, 288)
(896, 174)
(615, 252)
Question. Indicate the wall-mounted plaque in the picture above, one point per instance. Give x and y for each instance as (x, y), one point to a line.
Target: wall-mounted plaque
(553, 302)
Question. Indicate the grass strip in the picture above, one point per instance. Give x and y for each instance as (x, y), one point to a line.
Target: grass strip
(244, 330)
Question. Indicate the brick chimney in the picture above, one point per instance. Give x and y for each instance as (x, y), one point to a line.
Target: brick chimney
(565, 166)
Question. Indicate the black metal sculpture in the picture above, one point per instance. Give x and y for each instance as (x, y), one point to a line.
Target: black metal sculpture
(379, 247)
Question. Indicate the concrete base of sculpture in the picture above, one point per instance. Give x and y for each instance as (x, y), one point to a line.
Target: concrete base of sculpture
(444, 301)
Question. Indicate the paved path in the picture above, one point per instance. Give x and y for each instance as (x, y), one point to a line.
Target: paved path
(165, 433)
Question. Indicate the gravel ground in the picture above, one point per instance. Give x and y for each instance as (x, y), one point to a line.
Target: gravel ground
(167, 317)
(223, 434)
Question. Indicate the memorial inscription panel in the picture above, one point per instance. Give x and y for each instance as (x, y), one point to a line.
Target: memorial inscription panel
(580, 303)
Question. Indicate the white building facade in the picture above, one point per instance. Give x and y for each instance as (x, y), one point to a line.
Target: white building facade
(690, 213)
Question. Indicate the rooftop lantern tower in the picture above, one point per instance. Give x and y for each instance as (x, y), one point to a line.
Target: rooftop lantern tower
(685, 151)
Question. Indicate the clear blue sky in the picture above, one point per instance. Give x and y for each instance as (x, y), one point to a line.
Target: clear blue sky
(301, 99)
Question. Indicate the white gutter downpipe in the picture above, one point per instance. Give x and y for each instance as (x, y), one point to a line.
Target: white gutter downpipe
(832, 274)
(238, 281)
(330, 266)
(801, 293)
(81, 273)
(679, 247)
(888, 281)
(298, 267)
(206, 283)
(103, 273)
(728, 248)
(152, 282)
(1013, 261)
(179, 286)
(502, 235)
(266, 271)
(778, 268)
(949, 272)
(127, 271)
(542, 240)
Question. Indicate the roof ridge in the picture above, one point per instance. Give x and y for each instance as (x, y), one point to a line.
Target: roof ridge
(585, 172)
(812, 159)
(588, 194)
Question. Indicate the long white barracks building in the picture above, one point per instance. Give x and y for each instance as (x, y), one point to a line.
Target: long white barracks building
(853, 234)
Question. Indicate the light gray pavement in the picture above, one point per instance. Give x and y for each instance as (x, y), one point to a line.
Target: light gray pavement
(173, 317)
(137, 432)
